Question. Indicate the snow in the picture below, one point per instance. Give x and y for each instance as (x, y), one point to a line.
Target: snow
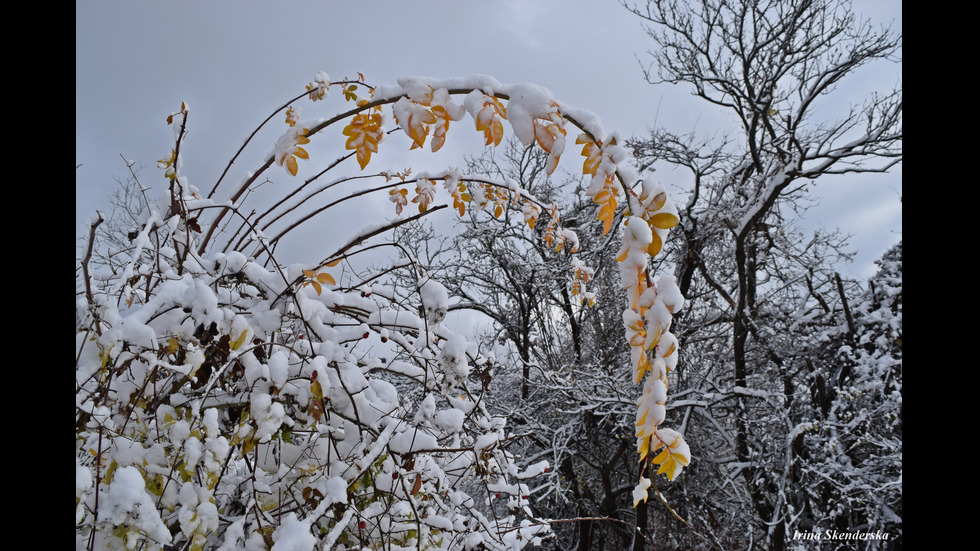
(413, 440)
(226, 426)
(449, 420)
(453, 358)
(640, 491)
(268, 414)
(127, 502)
(335, 491)
(435, 300)
(293, 535)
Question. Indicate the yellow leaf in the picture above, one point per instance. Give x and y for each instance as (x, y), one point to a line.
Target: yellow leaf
(171, 347)
(642, 420)
(316, 389)
(659, 200)
(643, 448)
(237, 343)
(326, 279)
(317, 287)
(301, 153)
(333, 263)
(662, 456)
(670, 467)
(309, 273)
(664, 220)
(655, 245)
(291, 165)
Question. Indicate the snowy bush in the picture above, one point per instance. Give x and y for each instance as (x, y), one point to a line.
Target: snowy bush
(225, 400)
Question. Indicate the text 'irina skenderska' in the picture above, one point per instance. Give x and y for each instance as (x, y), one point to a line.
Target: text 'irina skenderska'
(840, 536)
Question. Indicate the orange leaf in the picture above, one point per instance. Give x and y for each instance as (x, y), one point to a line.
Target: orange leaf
(592, 153)
(364, 132)
(607, 212)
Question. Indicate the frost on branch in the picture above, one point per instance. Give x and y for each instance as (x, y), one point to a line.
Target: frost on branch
(227, 400)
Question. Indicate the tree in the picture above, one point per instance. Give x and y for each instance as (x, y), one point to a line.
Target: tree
(558, 375)
(748, 273)
(227, 400)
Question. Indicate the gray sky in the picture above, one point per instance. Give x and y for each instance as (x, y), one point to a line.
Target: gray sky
(234, 62)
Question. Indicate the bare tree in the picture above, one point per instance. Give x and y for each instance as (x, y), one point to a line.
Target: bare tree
(776, 66)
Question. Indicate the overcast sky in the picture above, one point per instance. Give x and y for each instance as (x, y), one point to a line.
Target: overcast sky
(234, 62)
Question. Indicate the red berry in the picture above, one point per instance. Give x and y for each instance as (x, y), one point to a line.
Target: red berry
(546, 469)
(525, 497)
(384, 339)
(366, 335)
(362, 525)
(313, 377)
(498, 496)
(394, 476)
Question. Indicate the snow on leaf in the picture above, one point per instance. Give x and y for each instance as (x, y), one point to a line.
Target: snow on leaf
(550, 134)
(425, 194)
(399, 197)
(288, 148)
(292, 116)
(675, 455)
(640, 491)
(320, 87)
(414, 118)
(488, 112)
(364, 133)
